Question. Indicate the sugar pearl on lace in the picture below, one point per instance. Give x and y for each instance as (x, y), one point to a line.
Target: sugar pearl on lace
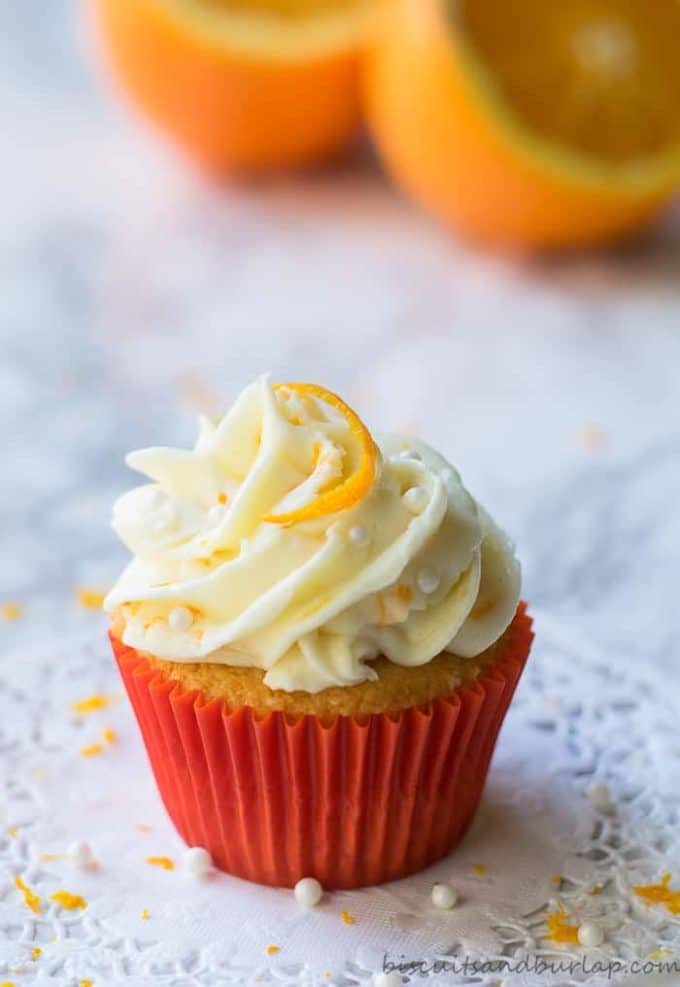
(590, 934)
(415, 500)
(428, 581)
(198, 861)
(180, 619)
(359, 536)
(600, 798)
(215, 515)
(80, 854)
(390, 979)
(443, 895)
(308, 892)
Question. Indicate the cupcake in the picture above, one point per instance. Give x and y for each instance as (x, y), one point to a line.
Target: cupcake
(319, 633)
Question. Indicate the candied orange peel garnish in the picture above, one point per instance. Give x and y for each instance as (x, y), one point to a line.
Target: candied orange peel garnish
(31, 899)
(660, 894)
(360, 480)
(559, 930)
(163, 862)
(68, 901)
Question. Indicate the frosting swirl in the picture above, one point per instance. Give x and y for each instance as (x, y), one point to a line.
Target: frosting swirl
(289, 541)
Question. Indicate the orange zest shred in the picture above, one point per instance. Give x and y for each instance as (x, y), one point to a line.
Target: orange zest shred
(92, 750)
(85, 983)
(36, 953)
(91, 704)
(31, 899)
(479, 869)
(7, 983)
(145, 913)
(222, 498)
(559, 930)
(12, 832)
(109, 735)
(11, 611)
(143, 828)
(48, 858)
(89, 598)
(356, 485)
(68, 901)
(163, 862)
(347, 917)
(660, 894)
(272, 950)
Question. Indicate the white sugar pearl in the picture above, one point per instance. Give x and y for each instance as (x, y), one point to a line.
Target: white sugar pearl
(428, 581)
(590, 934)
(390, 979)
(308, 892)
(415, 500)
(80, 854)
(359, 536)
(216, 515)
(198, 861)
(180, 619)
(444, 896)
(600, 798)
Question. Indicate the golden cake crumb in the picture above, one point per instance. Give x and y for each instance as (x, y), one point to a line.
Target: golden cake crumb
(31, 899)
(347, 918)
(165, 862)
(556, 879)
(660, 894)
(11, 611)
(596, 889)
(559, 930)
(271, 950)
(145, 913)
(396, 688)
(479, 869)
(36, 953)
(68, 901)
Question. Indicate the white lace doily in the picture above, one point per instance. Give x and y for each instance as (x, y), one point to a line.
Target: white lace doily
(575, 720)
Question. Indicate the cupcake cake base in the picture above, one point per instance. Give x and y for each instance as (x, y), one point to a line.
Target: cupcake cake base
(279, 797)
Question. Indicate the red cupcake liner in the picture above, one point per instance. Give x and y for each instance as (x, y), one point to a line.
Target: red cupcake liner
(355, 802)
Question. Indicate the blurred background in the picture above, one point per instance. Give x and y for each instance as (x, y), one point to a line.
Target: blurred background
(137, 291)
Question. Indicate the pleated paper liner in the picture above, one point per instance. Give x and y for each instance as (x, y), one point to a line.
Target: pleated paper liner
(353, 803)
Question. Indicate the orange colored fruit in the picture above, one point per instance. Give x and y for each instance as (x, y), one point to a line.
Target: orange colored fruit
(243, 85)
(361, 467)
(531, 123)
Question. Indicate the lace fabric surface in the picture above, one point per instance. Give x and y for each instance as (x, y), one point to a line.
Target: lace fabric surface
(537, 844)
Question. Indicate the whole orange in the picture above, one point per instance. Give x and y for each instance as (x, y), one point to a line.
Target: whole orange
(530, 123)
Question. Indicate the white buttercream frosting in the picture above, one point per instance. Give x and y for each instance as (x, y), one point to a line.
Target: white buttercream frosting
(413, 567)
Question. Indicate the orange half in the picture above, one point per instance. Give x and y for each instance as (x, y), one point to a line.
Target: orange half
(531, 123)
(242, 85)
(362, 470)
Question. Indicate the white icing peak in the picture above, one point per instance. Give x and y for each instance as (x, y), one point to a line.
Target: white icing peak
(311, 602)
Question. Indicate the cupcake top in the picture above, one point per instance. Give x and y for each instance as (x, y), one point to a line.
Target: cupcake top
(290, 540)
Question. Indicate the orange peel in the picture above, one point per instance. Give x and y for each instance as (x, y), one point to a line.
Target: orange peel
(352, 488)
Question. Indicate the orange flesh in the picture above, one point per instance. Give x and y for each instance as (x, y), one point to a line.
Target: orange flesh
(601, 77)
